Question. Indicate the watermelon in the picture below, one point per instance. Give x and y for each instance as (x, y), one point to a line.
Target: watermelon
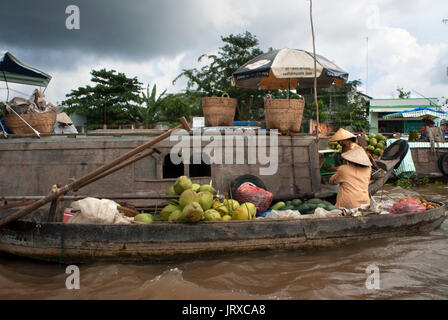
(303, 207)
(314, 200)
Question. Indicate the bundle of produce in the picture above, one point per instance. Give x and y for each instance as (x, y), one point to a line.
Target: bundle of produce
(409, 204)
(196, 203)
(376, 144)
(427, 204)
(230, 209)
(259, 197)
(306, 207)
(335, 146)
(193, 203)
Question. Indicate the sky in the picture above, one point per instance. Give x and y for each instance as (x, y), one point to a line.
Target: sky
(386, 44)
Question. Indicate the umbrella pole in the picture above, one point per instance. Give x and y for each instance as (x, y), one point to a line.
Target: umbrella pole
(315, 70)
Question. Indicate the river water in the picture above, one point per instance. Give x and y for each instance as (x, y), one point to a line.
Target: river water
(408, 268)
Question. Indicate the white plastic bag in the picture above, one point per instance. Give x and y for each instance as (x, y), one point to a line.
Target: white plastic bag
(97, 211)
(283, 214)
(322, 213)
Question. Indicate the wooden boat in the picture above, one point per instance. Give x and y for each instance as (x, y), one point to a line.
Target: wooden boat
(49, 239)
(164, 241)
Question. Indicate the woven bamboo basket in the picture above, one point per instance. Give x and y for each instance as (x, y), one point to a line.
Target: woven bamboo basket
(219, 111)
(42, 122)
(284, 114)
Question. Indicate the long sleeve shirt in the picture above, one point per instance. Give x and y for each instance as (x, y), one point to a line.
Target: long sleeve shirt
(353, 184)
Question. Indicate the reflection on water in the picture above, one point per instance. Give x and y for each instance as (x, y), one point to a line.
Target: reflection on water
(410, 268)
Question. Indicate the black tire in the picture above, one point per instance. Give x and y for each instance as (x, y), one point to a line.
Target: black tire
(247, 178)
(443, 163)
(396, 150)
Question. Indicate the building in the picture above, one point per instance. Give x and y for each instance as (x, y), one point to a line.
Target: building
(381, 107)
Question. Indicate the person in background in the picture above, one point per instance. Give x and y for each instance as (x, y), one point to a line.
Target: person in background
(64, 124)
(353, 179)
(427, 123)
(348, 142)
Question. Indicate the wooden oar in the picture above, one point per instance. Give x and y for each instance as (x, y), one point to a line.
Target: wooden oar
(118, 167)
(82, 181)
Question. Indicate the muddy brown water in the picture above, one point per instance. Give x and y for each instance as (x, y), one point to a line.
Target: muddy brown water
(414, 267)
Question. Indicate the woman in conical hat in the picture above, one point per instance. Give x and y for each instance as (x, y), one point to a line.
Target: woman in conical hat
(348, 142)
(353, 179)
(346, 139)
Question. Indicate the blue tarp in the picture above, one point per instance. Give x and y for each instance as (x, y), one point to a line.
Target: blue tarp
(418, 113)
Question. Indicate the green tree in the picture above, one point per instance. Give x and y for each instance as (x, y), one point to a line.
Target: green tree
(115, 99)
(214, 78)
(150, 112)
(341, 106)
(175, 106)
(403, 94)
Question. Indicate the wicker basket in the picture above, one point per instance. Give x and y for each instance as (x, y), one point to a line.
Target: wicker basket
(284, 114)
(42, 122)
(219, 111)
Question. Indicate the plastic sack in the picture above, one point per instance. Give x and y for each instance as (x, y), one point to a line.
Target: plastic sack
(283, 214)
(96, 211)
(259, 197)
(409, 205)
(322, 213)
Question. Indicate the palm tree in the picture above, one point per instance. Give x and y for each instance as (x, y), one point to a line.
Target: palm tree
(150, 112)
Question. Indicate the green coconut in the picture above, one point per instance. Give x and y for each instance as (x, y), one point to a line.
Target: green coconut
(371, 148)
(188, 196)
(175, 216)
(251, 208)
(144, 217)
(373, 142)
(241, 214)
(377, 151)
(212, 215)
(182, 183)
(195, 187)
(193, 212)
(231, 204)
(226, 217)
(220, 207)
(171, 192)
(165, 213)
(205, 200)
(208, 188)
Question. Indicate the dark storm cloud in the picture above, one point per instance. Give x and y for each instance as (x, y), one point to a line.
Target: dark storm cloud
(134, 29)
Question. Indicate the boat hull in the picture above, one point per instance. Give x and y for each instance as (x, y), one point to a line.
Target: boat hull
(162, 241)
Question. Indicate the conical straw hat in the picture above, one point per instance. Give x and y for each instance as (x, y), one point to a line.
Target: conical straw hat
(342, 134)
(63, 118)
(357, 155)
